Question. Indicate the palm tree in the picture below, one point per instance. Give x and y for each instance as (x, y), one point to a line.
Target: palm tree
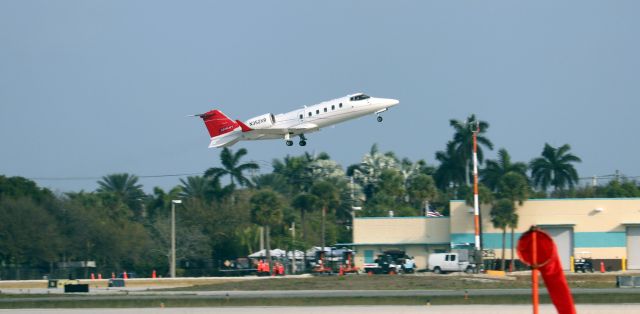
(496, 169)
(463, 139)
(554, 168)
(513, 224)
(266, 211)
(231, 166)
(194, 188)
(451, 169)
(328, 196)
(304, 202)
(514, 187)
(124, 187)
(298, 170)
(501, 215)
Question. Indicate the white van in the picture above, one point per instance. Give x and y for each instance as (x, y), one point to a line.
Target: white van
(446, 262)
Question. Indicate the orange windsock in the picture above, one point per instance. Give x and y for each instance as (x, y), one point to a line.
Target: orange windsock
(546, 259)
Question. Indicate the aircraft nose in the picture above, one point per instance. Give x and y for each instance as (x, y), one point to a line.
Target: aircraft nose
(391, 102)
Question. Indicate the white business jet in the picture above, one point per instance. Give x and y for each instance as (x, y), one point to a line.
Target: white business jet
(226, 132)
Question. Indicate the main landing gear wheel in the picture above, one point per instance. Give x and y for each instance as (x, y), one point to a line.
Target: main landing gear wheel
(379, 119)
(303, 143)
(289, 143)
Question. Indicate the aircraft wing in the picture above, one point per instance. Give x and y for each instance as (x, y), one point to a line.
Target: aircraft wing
(297, 129)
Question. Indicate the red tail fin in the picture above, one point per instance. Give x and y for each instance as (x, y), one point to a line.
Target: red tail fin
(218, 123)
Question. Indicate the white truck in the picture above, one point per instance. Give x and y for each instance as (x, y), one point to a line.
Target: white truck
(448, 262)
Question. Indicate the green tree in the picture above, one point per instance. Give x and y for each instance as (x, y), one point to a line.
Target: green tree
(194, 188)
(304, 202)
(328, 197)
(367, 174)
(501, 216)
(28, 233)
(124, 188)
(496, 169)
(514, 187)
(554, 168)
(451, 169)
(266, 211)
(232, 167)
(422, 189)
(463, 141)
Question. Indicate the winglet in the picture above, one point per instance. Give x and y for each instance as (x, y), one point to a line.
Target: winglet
(243, 126)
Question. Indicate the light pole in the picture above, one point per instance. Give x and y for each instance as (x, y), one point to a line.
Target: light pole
(172, 266)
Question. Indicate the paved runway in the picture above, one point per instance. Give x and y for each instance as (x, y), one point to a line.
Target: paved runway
(448, 309)
(111, 293)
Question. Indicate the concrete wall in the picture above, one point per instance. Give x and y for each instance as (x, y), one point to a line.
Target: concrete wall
(401, 230)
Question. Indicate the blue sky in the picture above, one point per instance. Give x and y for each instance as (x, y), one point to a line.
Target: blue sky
(89, 88)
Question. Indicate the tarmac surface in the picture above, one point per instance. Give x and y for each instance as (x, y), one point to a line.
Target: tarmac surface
(141, 293)
(476, 309)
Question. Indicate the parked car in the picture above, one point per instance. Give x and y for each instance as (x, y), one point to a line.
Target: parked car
(448, 262)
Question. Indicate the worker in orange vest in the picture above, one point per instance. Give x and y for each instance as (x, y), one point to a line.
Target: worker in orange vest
(260, 267)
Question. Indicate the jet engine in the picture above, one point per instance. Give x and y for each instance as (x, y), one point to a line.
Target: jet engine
(264, 121)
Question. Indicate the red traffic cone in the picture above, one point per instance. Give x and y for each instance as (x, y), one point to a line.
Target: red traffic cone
(153, 274)
(601, 266)
(341, 271)
(124, 276)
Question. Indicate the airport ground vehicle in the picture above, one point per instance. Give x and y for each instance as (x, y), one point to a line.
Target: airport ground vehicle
(449, 262)
(389, 262)
(583, 262)
(332, 261)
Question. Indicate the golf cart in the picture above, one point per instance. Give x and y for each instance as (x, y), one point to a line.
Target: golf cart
(583, 262)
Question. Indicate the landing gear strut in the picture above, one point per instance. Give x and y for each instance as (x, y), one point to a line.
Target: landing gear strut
(303, 140)
(379, 119)
(287, 139)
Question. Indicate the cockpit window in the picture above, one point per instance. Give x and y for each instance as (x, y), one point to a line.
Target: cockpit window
(359, 97)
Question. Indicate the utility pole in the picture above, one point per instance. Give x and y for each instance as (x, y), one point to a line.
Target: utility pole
(293, 253)
(172, 266)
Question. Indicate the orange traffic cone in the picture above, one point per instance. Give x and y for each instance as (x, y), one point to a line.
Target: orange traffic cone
(153, 274)
(124, 276)
(601, 266)
(341, 273)
(93, 276)
(99, 276)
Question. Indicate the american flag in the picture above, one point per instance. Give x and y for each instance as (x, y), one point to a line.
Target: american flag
(431, 212)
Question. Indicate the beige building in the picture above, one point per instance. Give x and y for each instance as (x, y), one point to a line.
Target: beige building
(417, 236)
(605, 229)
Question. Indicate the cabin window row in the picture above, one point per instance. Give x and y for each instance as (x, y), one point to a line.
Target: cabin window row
(333, 107)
